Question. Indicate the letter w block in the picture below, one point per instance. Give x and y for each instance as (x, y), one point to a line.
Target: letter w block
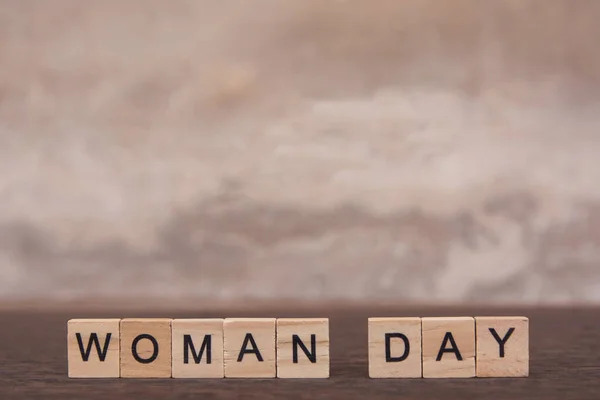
(93, 348)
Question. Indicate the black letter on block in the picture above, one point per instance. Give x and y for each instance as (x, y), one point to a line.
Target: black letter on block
(134, 349)
(312, 354)
(502, 342)
(388, 350)
(85, 354)
(453, 349)
(189, 344)
(254, 350)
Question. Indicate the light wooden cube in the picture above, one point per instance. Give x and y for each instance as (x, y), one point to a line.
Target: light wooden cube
(448, 347)
(197, 348)
(93, 348)
(249, 347)
(502, 346)
(395, 348)
(303, 348)
(146, 348)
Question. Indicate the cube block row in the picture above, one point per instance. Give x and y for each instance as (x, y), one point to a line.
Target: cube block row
(402, 347)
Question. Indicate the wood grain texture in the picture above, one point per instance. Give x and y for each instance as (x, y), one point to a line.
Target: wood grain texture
(564, 359)
(146, 348)
(507, 353)
(201, 356)
(408, 358)
(250, 347)
(93, 348)
(448, 333)
(306, 329)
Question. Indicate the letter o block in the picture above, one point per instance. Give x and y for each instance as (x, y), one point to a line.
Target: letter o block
(395, 348)
(145, 348)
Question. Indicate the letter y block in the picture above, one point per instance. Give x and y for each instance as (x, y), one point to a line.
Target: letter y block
(502, 346)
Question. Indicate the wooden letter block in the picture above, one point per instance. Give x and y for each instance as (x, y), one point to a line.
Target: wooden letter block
(249, 347)
(502, 346)
(303, 348)
(197, 348)
(448, 347)
(146, 348)
(395, 348)
(93, 348)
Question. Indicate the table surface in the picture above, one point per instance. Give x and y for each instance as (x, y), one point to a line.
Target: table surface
(564, 343)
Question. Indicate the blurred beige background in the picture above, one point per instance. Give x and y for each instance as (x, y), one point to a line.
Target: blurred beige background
(418, 150)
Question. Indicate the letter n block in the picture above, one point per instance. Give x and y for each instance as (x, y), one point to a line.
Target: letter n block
(395, 348)
(93, 348)
(249, 347)
(145, 348)
(448, 347)
(502, 346)
(197, 348)
(303, 348)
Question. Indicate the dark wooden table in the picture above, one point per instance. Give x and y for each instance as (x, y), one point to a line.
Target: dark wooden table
(565, 360)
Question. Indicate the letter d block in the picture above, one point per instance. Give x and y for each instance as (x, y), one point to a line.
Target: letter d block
(197, 348)
(448, 347)
(146, 348)
(249, 347)
(93, 348)
(395, 348)
(502, 346)
(303, 348)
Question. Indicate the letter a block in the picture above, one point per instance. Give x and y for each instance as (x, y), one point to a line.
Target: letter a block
(395, 348)
(93, 348)
(502, 346)
(249, 347)
(448, 347)
(303, 348)
(145, 348)
(197, 348)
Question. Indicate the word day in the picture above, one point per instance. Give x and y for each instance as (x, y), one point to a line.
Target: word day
(403, 347)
